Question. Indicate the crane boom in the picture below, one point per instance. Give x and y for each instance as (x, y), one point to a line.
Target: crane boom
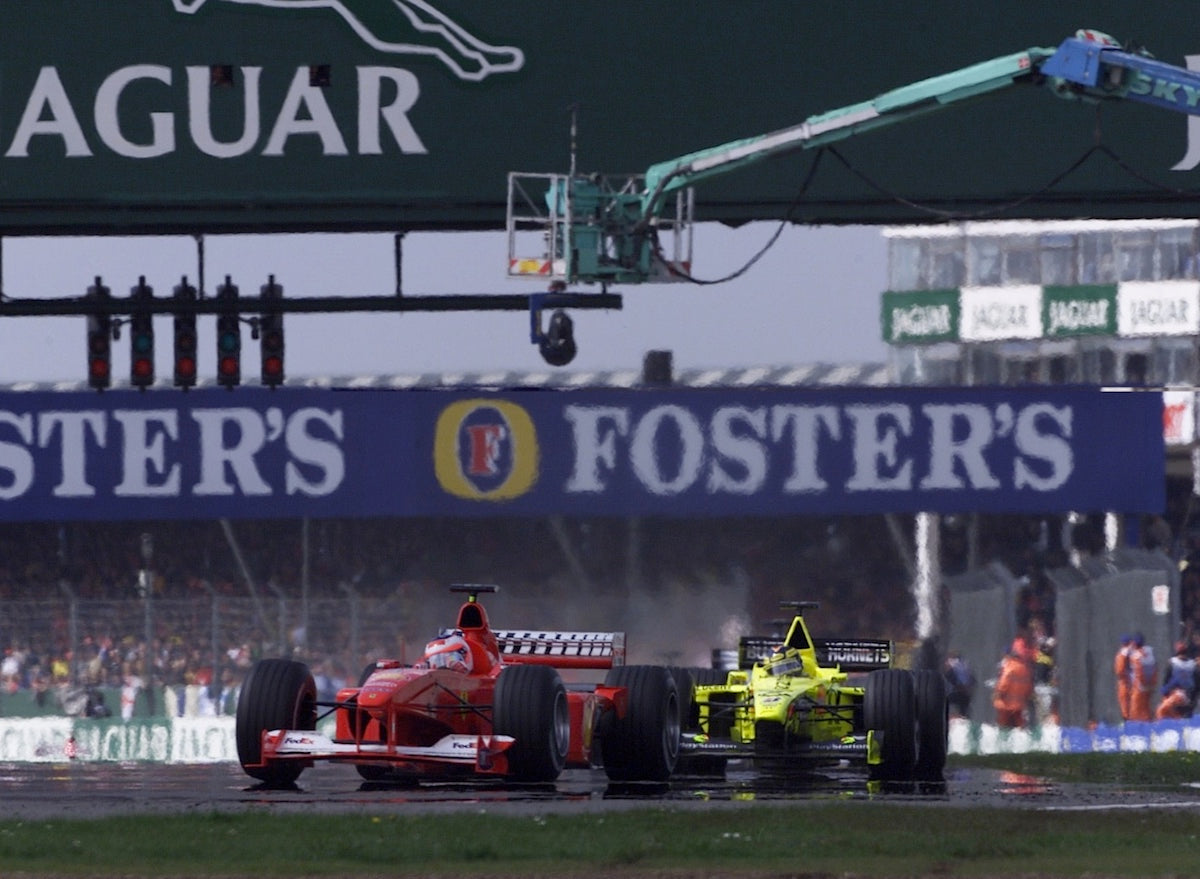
(888, 108)
(597, 228)
(1091, 67)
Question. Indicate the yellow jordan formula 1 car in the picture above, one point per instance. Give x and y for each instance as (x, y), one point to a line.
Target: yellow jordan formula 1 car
(800, 702)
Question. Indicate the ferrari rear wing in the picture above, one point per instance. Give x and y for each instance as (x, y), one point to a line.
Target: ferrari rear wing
(562, 649)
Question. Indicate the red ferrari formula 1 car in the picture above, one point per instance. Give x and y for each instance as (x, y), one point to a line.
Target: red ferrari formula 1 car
(481, 702)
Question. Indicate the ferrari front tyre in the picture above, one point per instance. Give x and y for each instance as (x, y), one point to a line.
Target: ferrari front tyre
(276, 694)
(933, 725)
(530, 704)
(889, 709)
(644, 744)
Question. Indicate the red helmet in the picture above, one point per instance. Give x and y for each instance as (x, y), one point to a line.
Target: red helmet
(449, 650)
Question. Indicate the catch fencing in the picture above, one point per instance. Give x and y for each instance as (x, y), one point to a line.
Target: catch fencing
(1096, 603)
(93, 642)
(99, 642)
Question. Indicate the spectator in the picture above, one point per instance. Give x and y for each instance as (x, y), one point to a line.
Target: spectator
(231, 688)
(1123, 672)
(1179, 688)
(1014, 688)
(96, 706)
(1025, 644)
(1045, 685)
(327, 685)
(1143, 673)
(10, 671)
(129, 692)
(960, 684)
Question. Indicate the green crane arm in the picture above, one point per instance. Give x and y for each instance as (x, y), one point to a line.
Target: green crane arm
(890, 107)
(600, 231)
(1088, 66)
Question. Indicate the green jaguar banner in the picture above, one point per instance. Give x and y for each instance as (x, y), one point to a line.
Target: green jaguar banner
(268, 115)
(922, 317)
(1079, 311)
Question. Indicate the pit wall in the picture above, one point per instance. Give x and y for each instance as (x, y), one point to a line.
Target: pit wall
(211, 739)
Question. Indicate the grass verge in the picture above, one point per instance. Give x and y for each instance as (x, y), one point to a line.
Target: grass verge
(868, 838)
(1145, 769)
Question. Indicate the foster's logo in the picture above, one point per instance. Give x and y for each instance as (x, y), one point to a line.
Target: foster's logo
(485, 450)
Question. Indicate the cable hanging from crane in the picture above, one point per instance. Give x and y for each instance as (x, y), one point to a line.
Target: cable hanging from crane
(788, 219)
(942, 214)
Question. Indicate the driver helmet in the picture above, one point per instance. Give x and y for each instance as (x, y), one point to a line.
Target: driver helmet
(449, 650)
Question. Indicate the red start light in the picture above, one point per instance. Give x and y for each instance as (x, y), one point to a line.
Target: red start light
(228, 366)
(98, 368)
(143, 368)
(185, 366)
(273, 366)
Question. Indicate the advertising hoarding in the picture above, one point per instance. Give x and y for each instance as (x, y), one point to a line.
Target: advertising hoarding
(588, 452)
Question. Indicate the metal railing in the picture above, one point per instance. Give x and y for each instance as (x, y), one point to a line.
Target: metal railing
(100, 642)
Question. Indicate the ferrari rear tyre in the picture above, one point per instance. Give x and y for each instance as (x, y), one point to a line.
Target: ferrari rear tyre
(933, 725)
(644, 744)
(889, 708)
(685, 685)
(277, 694)
(530, 704)
(686, 680)
(368, 670)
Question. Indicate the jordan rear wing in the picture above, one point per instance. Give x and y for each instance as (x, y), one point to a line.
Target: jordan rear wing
(562, 649)
(855, 654)
(850, 654)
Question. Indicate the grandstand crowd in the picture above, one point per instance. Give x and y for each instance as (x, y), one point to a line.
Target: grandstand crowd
(74, 615)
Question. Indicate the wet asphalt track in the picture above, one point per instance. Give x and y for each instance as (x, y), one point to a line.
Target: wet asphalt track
(38, 791)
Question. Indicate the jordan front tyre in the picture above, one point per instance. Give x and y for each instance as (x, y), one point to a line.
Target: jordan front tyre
(889, 709)
(933, 725)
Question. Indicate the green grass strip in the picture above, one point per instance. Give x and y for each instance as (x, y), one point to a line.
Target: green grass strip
(1141, 769)
(867, 837)
(860, 838)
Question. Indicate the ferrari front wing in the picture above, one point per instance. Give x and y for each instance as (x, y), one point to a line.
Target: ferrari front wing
(484, 754)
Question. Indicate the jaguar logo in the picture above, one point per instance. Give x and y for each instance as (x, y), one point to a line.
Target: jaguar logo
(404, 27)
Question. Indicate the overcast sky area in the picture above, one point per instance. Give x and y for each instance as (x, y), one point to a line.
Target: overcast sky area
(814, 297)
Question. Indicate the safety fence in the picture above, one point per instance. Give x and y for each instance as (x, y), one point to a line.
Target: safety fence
(1095, 604)
(212, 639)
(100, 642)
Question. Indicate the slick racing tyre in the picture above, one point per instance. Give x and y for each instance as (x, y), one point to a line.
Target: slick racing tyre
(933, 725)
(685, 686)
(889, 708)
(686, 680)
(277, 694)
(530, 704)
(644, 744)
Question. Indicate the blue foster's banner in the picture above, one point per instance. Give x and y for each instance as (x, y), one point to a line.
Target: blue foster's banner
(588, 452)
